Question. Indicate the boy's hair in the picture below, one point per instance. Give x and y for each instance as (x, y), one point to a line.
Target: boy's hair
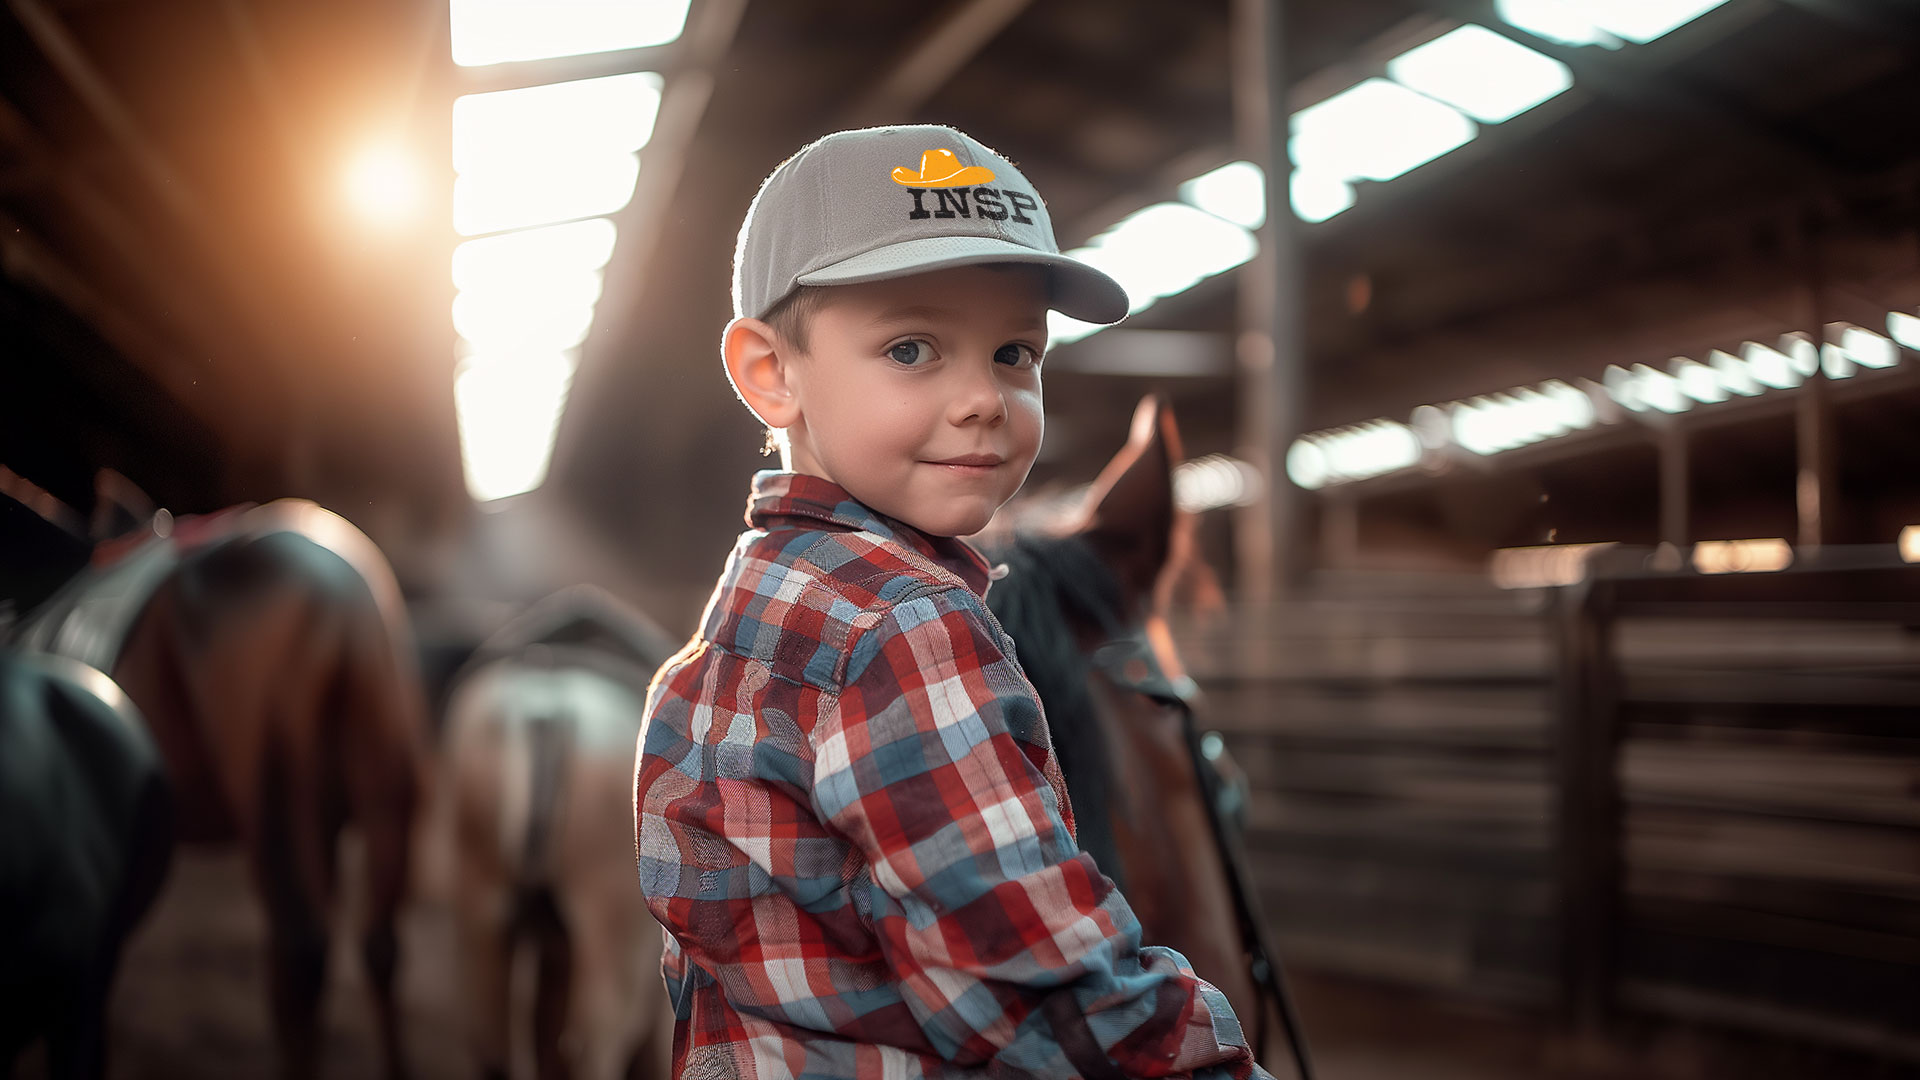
(792, 316)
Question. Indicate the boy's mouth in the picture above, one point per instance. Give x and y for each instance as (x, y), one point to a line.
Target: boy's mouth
(971, 464)
(970, 459)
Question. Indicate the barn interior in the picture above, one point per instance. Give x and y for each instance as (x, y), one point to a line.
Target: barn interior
(1550, 437)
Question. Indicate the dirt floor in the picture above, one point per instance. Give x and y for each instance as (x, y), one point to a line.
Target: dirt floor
(191, 1002)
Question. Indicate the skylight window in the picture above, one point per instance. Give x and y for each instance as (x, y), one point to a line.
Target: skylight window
(1164, 249)
(1868, 349)
(1641, 21)
(1374, 448)
(1318, 196)
(1904, 328)
(1484, 75)
(509, 408)
(1236, 191)
(1493, 423)
(1562, 21)
(1375, 131)
(511, 260)
(1602, 22)
(541, 192)
(497, 31)
(611, 115)
(1698, 381)
(1770, 367)
(547, 323)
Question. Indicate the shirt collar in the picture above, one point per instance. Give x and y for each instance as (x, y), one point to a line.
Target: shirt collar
(779, 498)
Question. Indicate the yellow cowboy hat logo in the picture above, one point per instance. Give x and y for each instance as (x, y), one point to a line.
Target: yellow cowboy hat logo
(941, 169)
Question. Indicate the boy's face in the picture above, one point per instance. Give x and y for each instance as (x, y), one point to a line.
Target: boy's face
(921, 395)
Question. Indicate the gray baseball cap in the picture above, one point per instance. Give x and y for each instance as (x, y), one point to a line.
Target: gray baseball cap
(886, 202)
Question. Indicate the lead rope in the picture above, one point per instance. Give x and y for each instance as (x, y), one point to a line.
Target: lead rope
(1113, 660)
(1265, 963)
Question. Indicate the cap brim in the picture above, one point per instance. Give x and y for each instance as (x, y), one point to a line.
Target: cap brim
(1079, 291)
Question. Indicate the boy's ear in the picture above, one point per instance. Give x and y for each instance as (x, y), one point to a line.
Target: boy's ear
(757, 365)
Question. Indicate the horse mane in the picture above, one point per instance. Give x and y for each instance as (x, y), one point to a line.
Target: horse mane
(583, 617)
(1052, 585)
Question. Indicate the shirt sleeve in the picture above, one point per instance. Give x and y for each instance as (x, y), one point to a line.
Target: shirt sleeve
(1011, 948)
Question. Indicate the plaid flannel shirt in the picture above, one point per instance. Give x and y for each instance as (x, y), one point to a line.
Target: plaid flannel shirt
(851, 823)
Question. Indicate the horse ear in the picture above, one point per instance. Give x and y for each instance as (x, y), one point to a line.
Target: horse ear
(1129, 515)
(119, 506)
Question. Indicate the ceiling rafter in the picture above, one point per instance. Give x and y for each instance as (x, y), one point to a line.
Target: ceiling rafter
(246, 304)
(1864, 17)
(131, 246)
(946, 47)
(24, 258)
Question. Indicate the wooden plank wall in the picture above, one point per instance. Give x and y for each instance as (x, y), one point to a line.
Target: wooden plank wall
(1395, 732)
(1765, 813)
(1770, 791)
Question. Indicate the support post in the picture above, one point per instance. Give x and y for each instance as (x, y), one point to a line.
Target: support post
(1676, 488)
(1268, 535)
(1814, 487)
(1816, 449)
(1587, 826)
(1339, 532)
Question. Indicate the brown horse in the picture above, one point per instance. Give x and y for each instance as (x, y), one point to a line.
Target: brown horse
(540, 733)
(1086, 609)
(270, 654)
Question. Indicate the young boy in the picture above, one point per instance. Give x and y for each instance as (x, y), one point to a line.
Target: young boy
(849, 815)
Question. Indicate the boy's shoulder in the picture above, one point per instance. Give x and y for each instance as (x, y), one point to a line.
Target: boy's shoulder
(797, 599)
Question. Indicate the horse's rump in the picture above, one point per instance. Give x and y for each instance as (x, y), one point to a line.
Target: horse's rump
(540, 735)
(269, 653)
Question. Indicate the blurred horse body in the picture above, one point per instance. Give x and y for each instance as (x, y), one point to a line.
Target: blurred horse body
(269, 651)
(85, 839)
(541, 729)
(1081, 607)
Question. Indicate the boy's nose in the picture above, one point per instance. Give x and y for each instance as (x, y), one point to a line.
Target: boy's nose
(979, 399)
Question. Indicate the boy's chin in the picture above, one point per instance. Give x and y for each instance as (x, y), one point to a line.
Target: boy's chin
(952, 520)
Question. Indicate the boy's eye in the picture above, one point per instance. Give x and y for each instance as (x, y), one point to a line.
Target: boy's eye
(911, 353)
(1014, 355)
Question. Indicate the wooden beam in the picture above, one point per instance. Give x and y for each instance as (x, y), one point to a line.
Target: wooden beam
(186, 314)
(1866, 18)
(244, 328)
(25, 258)
(65, 54)
(44, 503)
(941, 52)
(1676, 486)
